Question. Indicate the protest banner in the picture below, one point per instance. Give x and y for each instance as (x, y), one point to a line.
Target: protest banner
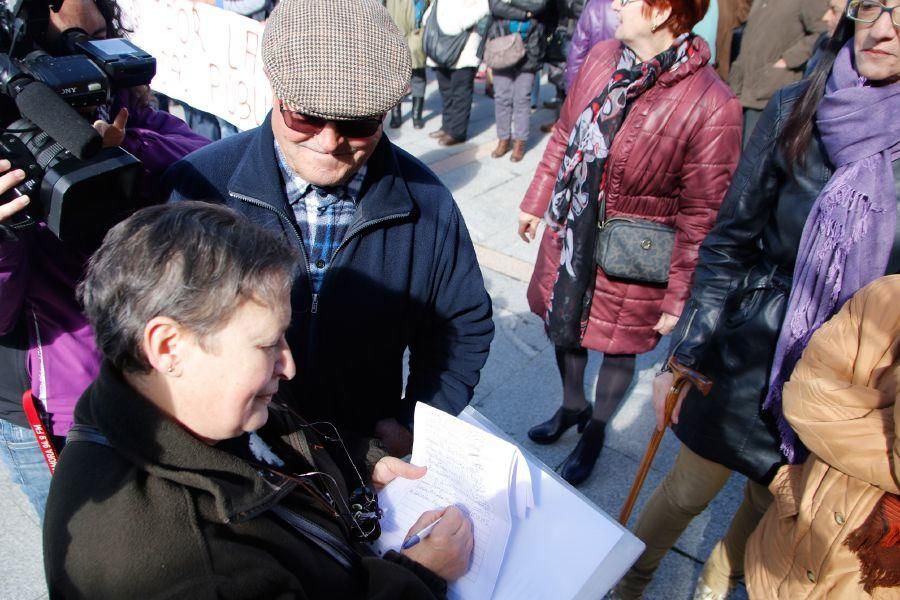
(205, 56)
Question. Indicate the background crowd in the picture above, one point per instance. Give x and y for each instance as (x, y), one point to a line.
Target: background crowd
(748, 149)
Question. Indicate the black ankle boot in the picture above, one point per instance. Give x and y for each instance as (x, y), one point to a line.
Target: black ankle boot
(417, 107)
(396, 117)
(579, 464)
(550, 430)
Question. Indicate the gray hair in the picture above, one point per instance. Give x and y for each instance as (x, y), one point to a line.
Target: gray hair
(193, 262)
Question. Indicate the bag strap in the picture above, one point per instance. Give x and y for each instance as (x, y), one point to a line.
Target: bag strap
(86, 433)
(602, 217)
(33, 414)
(324, 539)
(335, 547)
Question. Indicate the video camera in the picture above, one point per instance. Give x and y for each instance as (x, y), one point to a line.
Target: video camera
(76, 186)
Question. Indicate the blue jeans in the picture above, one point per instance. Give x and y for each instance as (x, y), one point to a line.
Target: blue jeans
(23, 459)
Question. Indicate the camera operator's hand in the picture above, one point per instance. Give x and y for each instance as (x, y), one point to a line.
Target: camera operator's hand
(9, 180)
(113, 134)
(449, 547)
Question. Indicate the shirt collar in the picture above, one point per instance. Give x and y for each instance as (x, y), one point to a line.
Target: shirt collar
(296, 187)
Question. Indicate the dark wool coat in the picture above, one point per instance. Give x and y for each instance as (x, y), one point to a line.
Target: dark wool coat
(731, 323)
(160, 514)
(406, 276)
(671, 162)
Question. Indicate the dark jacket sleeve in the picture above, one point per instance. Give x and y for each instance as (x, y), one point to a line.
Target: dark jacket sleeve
(731, 248)
(13, 278)
(505, 10)
(446, 357)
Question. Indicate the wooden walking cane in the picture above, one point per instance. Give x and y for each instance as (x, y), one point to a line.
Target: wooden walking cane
(683, 376)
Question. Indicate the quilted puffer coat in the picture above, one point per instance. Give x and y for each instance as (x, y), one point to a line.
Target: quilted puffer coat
(841, 400)
(670, 162)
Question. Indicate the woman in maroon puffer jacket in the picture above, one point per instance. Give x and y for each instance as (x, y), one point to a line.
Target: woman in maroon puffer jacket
(660, 140)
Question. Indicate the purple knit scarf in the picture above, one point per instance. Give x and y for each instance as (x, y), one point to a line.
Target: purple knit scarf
(850, 230)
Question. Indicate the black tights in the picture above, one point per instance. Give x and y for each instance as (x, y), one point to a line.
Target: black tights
(615, 376)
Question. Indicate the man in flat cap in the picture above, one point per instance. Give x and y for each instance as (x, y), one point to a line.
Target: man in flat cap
(389, 263)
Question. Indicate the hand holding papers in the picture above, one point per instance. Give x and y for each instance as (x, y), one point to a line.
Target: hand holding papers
(535, 536)
(468, 468)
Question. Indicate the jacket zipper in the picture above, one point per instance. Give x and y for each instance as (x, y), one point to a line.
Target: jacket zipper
(350, 235)
(286, 219)
(314, 307)
(685, 333)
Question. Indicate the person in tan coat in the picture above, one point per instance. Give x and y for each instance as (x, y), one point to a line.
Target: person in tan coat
(779, 38)
(842, 402)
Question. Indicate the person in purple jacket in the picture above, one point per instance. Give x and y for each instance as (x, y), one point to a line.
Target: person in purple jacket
(46, 344)
(598, 22)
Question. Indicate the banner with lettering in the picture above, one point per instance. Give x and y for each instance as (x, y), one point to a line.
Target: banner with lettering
(205, 56)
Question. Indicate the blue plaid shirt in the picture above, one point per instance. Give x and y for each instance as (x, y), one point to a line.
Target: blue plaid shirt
(323, 214)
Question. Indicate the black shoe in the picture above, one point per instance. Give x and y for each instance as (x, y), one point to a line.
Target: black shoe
(449, 140)
(396, 117)
(550, 430)
(578, 465)
(553, 103)
(417, 105)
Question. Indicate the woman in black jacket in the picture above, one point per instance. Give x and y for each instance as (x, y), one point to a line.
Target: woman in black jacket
(179, 479)
(512, 84)
(811, 216)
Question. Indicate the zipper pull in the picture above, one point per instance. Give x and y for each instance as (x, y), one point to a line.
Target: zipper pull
(315, 304)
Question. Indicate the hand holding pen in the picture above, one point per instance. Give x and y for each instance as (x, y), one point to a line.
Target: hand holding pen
(442, 541)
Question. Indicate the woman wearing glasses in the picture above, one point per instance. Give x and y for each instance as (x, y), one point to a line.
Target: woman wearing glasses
(810, 219)
(182, 478)
(648, 133)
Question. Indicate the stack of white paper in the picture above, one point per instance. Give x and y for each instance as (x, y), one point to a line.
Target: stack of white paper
(488, 478)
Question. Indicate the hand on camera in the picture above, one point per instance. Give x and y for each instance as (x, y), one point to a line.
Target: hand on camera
(113, 134)
(9, 180)
(447, 550)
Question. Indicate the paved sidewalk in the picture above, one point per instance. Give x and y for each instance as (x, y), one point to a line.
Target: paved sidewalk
(519, 386)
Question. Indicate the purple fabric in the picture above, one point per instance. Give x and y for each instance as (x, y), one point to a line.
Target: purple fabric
(598, 22)
(156, 137)
(38, 275)
(850, 230)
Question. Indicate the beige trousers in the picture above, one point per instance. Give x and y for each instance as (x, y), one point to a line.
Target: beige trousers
(685, 492)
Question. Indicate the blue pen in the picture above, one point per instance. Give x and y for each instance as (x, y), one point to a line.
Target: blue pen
(423, 533)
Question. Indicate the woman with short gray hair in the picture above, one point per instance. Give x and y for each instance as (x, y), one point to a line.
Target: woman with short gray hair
(181, 476)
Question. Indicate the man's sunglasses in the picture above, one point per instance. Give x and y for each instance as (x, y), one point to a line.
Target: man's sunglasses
(309, 125)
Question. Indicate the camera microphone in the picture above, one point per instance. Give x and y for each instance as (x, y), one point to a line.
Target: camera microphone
(43, 107)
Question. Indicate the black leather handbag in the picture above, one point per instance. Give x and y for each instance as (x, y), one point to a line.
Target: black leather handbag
(443, 49)
(633, 249)
(558, 46)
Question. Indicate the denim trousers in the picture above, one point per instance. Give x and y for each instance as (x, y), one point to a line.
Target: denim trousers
(24, 461)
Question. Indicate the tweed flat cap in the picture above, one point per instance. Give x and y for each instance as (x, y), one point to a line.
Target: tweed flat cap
(335, 59)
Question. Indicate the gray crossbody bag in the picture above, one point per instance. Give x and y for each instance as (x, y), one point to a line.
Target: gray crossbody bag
(633, 249)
